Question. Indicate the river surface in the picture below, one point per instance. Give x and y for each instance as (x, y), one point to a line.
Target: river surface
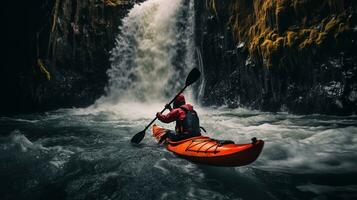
(86, 154)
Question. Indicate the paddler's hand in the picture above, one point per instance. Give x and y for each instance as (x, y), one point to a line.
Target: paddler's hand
(158, 114)
(168, 106)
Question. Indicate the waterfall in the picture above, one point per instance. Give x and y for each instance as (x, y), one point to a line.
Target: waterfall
(201, 89)
(153, 53)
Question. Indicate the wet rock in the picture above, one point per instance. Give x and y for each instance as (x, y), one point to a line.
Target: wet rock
(58, 53)
(289, 55)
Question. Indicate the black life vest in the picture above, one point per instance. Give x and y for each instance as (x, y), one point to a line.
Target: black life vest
(190, 124)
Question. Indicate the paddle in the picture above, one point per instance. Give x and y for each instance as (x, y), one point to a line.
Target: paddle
(191, 78)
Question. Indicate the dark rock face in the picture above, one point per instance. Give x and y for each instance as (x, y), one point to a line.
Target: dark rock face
(57, 52)
(298, 56)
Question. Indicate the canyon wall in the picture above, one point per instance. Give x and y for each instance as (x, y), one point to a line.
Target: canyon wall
(57, 52)
(279, 55)
(273, 55)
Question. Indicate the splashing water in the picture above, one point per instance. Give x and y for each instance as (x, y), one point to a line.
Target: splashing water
(147, 66)
(78, 153)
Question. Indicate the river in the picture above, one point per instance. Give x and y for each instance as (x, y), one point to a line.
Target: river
(85, 153)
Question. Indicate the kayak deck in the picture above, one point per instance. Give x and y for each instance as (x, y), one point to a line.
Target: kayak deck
(209, 151)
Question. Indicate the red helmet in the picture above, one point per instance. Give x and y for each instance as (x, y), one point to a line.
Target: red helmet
(179, 101)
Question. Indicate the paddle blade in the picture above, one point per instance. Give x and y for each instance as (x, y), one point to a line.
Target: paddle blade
(193, 76)
(138, 137)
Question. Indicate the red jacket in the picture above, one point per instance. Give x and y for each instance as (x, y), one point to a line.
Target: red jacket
(176, 114)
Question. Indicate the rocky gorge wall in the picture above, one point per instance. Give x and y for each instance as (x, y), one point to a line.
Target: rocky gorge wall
(57, 52)
(275, 55)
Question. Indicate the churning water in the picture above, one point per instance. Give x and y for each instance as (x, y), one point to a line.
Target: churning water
(81, 154)
(86, 153)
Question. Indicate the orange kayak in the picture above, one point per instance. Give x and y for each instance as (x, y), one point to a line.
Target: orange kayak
(205, 150)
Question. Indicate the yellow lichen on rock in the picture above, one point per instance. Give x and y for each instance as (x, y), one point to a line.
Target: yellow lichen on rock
(256, 42)
(43, 69)
(267, 27)
(271, 48)
(332, 25)
(280, 6)
(266, 47)
(114, 3)
(278, 43)
(321, 38)
(310, 36)
(211, 5)
(291, 38)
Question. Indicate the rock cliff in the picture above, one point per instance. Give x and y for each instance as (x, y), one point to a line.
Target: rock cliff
(277, 55)
(57, 52)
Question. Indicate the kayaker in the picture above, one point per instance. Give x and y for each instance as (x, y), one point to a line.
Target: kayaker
(187, 121)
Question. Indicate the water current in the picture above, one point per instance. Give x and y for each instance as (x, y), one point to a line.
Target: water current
(86, 153)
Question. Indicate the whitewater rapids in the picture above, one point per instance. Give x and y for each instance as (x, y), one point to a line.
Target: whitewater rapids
(86, 153)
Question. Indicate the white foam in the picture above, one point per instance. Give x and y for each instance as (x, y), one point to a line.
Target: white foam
(19, 140)
(143, 61)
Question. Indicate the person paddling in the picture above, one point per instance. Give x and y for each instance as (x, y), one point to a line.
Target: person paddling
(187, 121)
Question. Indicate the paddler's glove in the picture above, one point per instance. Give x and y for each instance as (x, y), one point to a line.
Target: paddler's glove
(168, 106)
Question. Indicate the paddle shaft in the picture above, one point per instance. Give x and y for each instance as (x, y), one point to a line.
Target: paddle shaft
(165, 108)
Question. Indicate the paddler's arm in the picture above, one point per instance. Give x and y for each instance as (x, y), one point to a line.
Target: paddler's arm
(170, 117)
